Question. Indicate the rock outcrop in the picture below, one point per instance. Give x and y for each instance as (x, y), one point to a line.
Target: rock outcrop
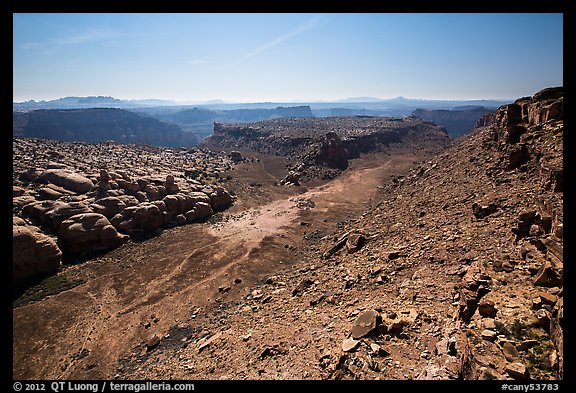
(322, 147)
(66, 178)
(33, 253)
(456, 121)
(83, 233)
(96, 196)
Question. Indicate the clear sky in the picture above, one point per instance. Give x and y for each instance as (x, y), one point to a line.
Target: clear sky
(285, 57)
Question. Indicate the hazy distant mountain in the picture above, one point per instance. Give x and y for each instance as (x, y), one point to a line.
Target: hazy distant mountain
(398, 106)
(88, 102)
(359, 99)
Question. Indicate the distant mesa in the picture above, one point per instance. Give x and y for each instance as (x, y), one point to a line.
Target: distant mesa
(199, 114)
(322, 147)
(99, 125)
(99, 119)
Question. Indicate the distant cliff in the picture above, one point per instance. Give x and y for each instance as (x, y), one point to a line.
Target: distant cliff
(99, 125)
(320, 147)
(456, 121)
(200, 115)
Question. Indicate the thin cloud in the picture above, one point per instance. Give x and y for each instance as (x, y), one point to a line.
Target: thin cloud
(85, 37)
(197, 61)
(309, 25)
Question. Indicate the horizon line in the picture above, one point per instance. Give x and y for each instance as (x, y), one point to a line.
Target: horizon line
(217, 101)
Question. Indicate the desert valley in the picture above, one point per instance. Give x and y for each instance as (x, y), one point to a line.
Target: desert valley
(283, 243)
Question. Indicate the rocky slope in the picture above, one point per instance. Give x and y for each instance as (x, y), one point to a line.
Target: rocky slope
(453, 272)
(322, 147)
(99, 125)
(71, 199)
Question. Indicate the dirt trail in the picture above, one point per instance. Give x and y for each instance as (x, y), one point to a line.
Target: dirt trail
(143, 289)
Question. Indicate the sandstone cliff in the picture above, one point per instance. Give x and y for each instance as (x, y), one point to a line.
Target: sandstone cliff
(456, 121)
(99, 125)
(321, 147)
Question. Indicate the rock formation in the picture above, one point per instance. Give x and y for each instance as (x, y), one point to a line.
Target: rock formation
(321, 147)
(456, 121)
(96, 196)
(33, 253)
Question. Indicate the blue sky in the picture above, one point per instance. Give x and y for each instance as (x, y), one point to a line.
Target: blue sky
(285, 57)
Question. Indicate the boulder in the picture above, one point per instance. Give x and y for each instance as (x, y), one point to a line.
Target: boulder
(482, 211)
(180, 219)
(517, 156)
(486, 308)
(517, 370)
(145, 217)
(109, 206)
(104, 182)
(33, 253)
(31, 174)
(349, 344)
(473, 286)
(152, 192)
(171, 187)
(142, 184)
(366, 322)
(18, 221)
(128, 185)
(105, 176)
(18, 191)
(488, 335)
(220, 199)
(49, 193)
(64, 211)
(141, 196)
(129, 200)
(396, 321)
(291, 178)
(88, 232)
(548, 275)
(355, 242)
(21, 201)
(66, 178)
(190, 216)
(198, 196)
(510, 352)
(236, 156)
(203, 210)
